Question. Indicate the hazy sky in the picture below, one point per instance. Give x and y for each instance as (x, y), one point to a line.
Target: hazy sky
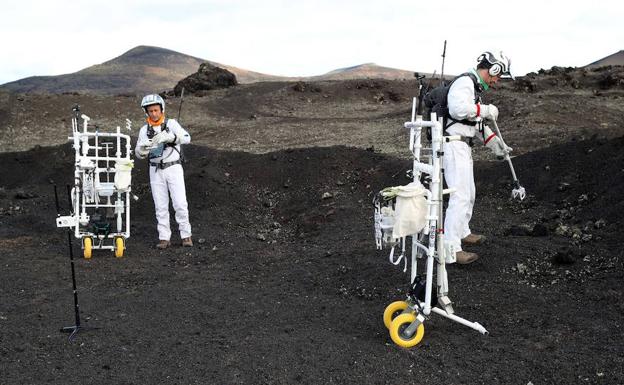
(300, 38)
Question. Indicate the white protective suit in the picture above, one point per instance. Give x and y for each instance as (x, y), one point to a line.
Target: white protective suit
(458, 167)
(168, 181)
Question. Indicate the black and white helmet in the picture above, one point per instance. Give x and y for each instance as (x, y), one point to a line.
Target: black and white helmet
(152, 99)
(497, 63)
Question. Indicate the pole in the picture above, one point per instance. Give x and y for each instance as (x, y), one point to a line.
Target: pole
(180, 106)
(443, 59)
(182, 157)
(518, 191)
(73, 330)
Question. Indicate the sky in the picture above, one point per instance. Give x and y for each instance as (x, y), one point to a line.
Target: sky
(304, 38)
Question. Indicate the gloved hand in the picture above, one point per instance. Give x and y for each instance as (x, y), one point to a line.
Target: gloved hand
(498, 148)
(143, 148)
(164, 137)
(146, 143)
(142, 152)
(495, 143)
(489, 112)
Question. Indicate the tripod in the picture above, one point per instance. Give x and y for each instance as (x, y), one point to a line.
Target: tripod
(73, 330)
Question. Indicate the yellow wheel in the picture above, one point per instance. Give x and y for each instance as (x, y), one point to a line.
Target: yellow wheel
(119, 247)
(87, 245)
(393, 310)
(397, 331)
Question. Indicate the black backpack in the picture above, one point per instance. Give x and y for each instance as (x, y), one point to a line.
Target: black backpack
(436, 101)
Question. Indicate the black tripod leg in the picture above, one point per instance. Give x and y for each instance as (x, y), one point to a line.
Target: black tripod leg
(73, 330)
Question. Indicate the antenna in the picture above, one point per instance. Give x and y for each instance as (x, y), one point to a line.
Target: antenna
(180, 106)
(443, 59)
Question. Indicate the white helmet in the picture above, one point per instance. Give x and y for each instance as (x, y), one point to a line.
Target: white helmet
(499, 64)
(151, 99)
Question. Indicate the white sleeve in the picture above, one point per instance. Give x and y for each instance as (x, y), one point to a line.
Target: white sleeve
(461, 99)
(142, 138)
(182, 136)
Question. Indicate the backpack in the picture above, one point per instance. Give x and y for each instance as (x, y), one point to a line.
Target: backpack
(436, 101)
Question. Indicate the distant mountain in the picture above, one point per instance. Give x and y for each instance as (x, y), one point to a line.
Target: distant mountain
(363, 71)
(617, 59)
(142, 69)
(147, 69)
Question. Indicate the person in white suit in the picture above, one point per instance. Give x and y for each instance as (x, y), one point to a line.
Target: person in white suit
(468, 118)
(159, 141)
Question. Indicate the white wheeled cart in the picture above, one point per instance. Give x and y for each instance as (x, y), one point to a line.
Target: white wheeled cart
(100, 197)
(416, 211)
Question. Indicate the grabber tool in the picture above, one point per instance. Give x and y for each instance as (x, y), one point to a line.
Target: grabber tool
(518, 191)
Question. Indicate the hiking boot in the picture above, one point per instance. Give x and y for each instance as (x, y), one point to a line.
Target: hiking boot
(187, 242)
(474, 239)
(162, 244)
(465, 257)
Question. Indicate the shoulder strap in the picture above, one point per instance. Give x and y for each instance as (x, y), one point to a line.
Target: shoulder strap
(472, 77)
(150, 129)
(478, 91)
(173, 145)
(477, 85)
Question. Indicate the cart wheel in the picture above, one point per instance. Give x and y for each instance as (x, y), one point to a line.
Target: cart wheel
(393, 310)
(119, 247)
(87, 245)
(398, 326)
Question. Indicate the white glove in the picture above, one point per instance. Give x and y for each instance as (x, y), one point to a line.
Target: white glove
(146, 143)
(142, 152)
(143, 148)
(489, 112)
(164, 137)
(495, 143)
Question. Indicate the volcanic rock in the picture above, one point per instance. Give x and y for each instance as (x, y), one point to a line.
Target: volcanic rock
(207, 78)
(519, 230)
(539, 230)
(24, 195)
(564, 256)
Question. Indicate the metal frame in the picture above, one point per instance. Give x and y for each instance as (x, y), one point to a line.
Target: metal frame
(427, 161)
(95, 161)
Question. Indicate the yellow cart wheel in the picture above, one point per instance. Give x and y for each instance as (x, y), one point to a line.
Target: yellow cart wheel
(87, 246)
(119, 247)
(393, 310)
(397, 329)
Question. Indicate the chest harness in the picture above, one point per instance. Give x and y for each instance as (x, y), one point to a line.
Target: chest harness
(162, 164)
(478, 90)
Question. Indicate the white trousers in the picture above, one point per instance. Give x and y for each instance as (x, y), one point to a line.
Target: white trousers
(458, 173)
(163, 183)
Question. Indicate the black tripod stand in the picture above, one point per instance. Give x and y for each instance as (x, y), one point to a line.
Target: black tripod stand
(73, 330)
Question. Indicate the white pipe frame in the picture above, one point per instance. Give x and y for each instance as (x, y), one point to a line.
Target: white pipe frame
(82, 147)
(434, 228)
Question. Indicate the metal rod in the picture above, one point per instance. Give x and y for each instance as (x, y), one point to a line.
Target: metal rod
(508, 159)
(473, 325)
(443, 59)
(180, 106)
(56, 201)
(70, 329)
(73, 273)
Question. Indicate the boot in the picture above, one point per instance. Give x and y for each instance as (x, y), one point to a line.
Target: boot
(162, 244)
(465, 257)
(474, 239)
(187, 242)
